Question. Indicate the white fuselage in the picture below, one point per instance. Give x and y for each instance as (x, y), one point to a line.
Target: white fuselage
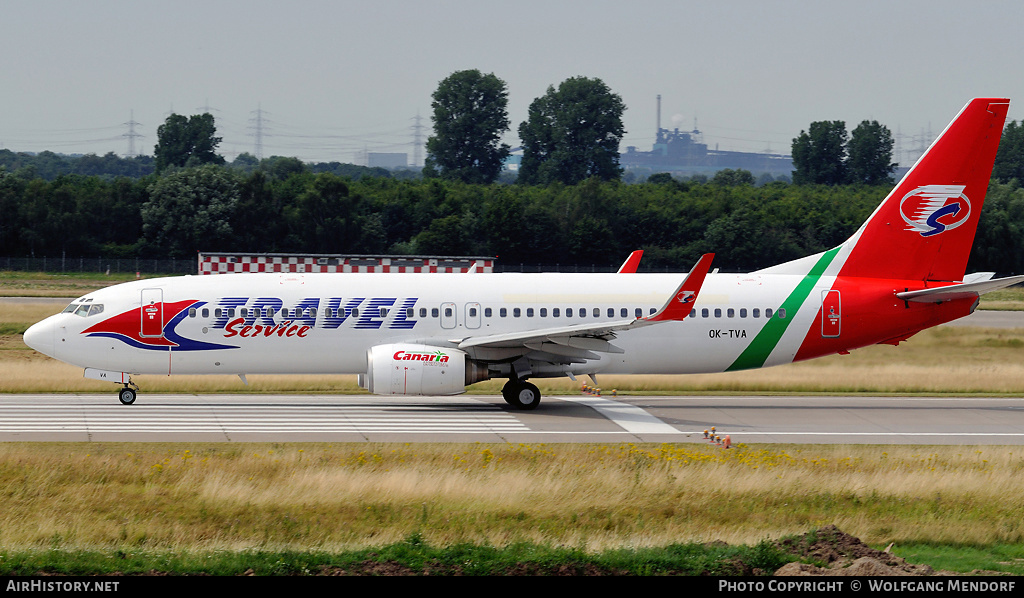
(344, 315)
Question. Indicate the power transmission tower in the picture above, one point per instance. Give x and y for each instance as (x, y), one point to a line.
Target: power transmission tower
(417, 142)
(258, 126)
(132, 135)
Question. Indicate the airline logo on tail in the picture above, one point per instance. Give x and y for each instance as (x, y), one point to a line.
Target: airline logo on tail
(935, 209)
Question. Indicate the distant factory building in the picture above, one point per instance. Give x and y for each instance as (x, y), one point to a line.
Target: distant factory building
(682, 153)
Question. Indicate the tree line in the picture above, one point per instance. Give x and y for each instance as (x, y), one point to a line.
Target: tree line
(219, 208)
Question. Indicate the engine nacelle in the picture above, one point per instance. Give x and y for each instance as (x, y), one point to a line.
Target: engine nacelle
(412, 369)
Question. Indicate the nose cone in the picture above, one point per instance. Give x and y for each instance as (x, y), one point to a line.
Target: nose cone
(40, 337)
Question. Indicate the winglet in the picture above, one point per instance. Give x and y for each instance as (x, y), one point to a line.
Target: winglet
(632, 263)
(681, 302)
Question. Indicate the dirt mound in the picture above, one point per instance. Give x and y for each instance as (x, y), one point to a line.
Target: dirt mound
(843, 554)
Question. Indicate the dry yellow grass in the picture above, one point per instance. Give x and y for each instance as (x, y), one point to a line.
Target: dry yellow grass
(306, 496)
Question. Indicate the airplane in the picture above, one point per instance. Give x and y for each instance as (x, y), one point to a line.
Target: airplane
(901, 272)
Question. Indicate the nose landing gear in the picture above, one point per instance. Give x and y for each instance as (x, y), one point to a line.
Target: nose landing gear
(127, 394)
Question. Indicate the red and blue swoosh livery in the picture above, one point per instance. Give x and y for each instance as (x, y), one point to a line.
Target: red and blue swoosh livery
(126, 327)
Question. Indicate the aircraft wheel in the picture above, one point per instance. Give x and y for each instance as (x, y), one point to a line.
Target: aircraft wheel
(526, 396)
(508, 391)
(126, 396)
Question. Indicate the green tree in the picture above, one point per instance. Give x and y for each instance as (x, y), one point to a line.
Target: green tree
(730, 178)
(819, 155)
(188, 141)
(325, 217)
(572, 133)
(191, 210)
(1010, 157)
(869, 159)
(470, 116)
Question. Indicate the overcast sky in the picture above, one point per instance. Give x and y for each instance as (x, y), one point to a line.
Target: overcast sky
(336, 77)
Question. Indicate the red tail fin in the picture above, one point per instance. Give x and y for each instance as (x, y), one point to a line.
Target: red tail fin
(925, 227)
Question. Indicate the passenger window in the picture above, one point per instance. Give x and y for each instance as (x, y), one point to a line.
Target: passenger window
(434, 312)
(529, 312)
(410, 312)
(472, 312)
(355, 313)
(568, 312)
(206, 312)
(611, 312)
(583, 312)
(693, 313)
(447, 312)
(217, 313)
(623, 313)
(782, 313)
(731, 313)
(756, 313)
(191, 312)
(423, 312)
(516, 312)
(503, 312)
(638, 312)
(543, 312)
(555, 312)
(718, 312)
(384, 312)
(743, 312)
(768, 313)
(704, 313)
(654, 310)
(487, 312)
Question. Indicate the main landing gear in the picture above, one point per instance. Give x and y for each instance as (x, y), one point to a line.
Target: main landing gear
(521, 394)
(127, 394)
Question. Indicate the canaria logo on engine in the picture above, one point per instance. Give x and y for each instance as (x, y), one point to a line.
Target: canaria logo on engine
(934, 209)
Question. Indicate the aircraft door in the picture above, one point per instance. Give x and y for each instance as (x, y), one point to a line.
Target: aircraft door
(472, 315)
(448, 315)
(831, 314)
(152, 325)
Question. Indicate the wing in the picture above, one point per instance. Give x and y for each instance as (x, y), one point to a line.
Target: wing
(583, 342)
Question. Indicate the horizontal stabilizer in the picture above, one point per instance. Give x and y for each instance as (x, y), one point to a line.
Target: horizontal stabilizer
(965, 290)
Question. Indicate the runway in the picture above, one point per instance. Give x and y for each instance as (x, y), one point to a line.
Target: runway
(473, 418)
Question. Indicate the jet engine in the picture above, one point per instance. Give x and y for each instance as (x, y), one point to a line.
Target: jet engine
(413, 369)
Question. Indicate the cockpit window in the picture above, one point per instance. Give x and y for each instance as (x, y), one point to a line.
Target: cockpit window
(84, 309)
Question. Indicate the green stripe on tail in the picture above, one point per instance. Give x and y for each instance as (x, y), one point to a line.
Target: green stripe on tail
(764, 343)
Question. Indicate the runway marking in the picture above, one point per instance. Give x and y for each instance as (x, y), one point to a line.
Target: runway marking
(630, 418)
(232, 419)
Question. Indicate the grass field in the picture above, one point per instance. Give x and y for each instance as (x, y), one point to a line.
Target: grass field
(214, 498)
(954, 507)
